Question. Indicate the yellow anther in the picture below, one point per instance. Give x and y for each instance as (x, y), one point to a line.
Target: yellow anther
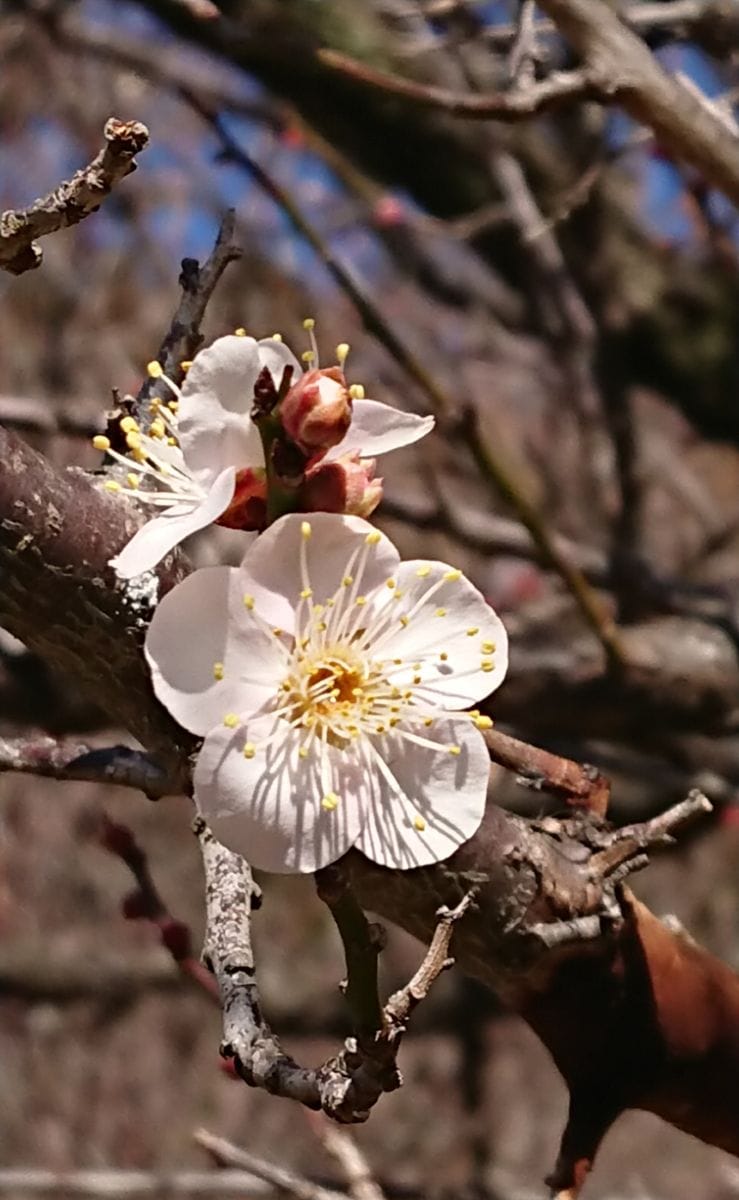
(473, 629)
(423, 571)
(110, 485)
(322, 627)
(488, 647)
(249, 750)
(240, 332)
(173, 405)
(373, 538)
(276, 337)
(440, 612)
(133, 481)
(487, 665)
(218, 670)
(419, 824)
(428, 722)
(453, 575)
(230, 720)
(342, 353)
(129, 425)
(157, 429)
(390, 583)
(347, 581)
(248, 602)
(482, 722)
(305, 530)
(309, 323)
(154, 370)
(379, 728)
(404, 620)
(417, 666)
(455, 750)
(443, 656)
(318, 609)
(184, 366)
(101, 442)
(356, 391)
(133, 441)
(306, 593)
(360, 601)
(393, 722)
(303, 752)
(416, 679)
(171, 441)
(330, 801)
(277, 633)
(307, 356)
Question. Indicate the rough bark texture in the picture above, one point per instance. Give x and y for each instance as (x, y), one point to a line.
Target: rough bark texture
(633, 1014)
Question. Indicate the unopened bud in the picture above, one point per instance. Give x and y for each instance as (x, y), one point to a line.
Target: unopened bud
(346, 485)
(317, 411)
(248, 509)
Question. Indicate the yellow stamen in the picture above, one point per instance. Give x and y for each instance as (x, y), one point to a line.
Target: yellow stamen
(422, 572)
(419, 824)
(230, 720)
(129, 425)
(473, 630)
(488, 647)
(453, 575)
(306, 530)
(455, 750)
(249, 750)
(110, 485)
(248, 602)
(330, 801)
(218, 670)
(342, 353)
(440, 612)
(240, 332)
(356, 391)
(482, 722)
(133, 481)
(154, 370)
(487, 665)
(100, 442)
(373, 538)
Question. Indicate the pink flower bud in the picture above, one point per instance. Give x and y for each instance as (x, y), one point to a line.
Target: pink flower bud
(317, 411)
(248, 509)
(345, 485)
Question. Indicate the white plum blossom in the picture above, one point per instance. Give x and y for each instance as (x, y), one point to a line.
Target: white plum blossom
(328, 680)
(202, 450)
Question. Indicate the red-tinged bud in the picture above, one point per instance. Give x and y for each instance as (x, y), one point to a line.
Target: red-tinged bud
(176, 938)
(346, 485)
(317, 411)
(248, 509)
(389, 211)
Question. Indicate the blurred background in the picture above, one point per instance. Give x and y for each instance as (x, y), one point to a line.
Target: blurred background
(566, 301)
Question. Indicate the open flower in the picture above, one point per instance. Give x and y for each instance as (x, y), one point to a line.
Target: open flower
(201, 459)
(328, 679)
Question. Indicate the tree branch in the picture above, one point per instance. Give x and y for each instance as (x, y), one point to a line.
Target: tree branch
(72, 760)
(71, 202)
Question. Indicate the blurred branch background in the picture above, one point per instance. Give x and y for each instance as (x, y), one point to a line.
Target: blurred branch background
(563, 294)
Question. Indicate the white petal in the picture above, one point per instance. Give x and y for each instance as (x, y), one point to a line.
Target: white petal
(456, 622)
(276, 356)
(377, 428)
(444, 792)
(272, 562)
(157, 537)
(200, 623)
(214, 428)
(268, 807)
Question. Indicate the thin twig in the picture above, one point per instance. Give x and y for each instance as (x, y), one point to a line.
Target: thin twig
(103, 1184)
(518, 104)
(183, 338)
(346, 1086)
(71, 760)
(493, 470)
(342, 1147)
(226, 1154)
(146, 903)
(581, 786)
(71, 201)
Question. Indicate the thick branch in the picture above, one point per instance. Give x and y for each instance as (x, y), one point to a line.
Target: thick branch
(71, 201)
